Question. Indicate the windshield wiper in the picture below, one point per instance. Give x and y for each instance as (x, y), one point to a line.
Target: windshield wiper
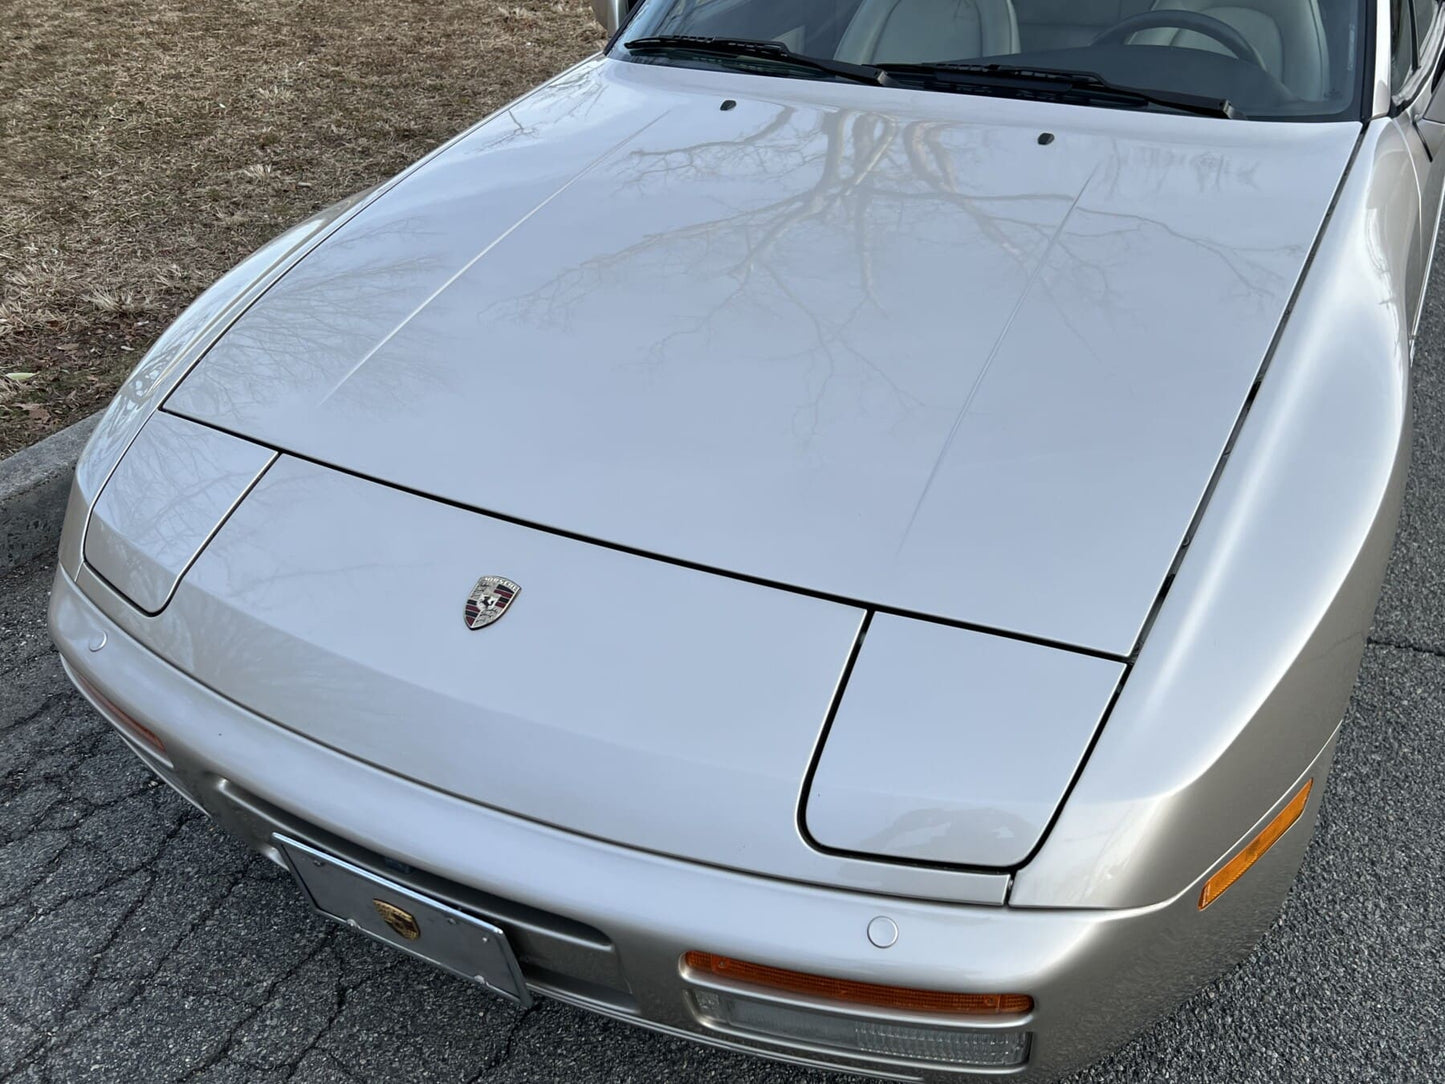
(1001, 79)
(1053, 83)
(755, 49)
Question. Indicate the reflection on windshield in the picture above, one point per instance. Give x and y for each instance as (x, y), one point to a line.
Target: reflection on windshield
(1275, 59)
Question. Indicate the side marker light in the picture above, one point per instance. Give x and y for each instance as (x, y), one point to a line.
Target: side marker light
(1253, 851)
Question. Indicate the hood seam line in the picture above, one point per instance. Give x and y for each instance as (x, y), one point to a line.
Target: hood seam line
(993, 354)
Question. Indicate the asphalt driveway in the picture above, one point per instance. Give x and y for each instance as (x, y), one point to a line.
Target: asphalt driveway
(137, 943)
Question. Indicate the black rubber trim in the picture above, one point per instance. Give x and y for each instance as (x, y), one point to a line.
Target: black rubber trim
(893, 860)
(679, 562)
(191, 561)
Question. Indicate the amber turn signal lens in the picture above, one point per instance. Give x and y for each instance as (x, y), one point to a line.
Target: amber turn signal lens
(107, 708)
(1234, 869)
(858, 993)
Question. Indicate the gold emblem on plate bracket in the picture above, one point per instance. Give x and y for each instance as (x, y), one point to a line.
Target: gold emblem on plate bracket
(403, 922)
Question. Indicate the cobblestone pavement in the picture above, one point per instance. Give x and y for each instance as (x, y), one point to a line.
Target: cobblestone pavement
(137, 943)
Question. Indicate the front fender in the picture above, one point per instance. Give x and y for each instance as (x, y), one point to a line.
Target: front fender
(1250, 660)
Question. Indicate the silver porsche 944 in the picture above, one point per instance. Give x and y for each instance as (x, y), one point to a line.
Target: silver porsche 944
(842, 529)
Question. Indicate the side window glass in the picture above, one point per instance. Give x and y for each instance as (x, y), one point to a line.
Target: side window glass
(1402, 36)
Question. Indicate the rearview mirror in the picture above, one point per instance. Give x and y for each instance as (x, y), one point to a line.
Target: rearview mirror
(610, 13)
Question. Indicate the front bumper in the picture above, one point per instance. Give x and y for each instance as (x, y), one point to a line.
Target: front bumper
(605, 926)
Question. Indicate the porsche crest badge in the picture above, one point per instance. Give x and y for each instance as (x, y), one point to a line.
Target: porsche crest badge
(403, 922)
(489, 601)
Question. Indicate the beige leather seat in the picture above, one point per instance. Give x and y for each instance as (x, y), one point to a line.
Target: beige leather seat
(1289, 35)
(907, 31)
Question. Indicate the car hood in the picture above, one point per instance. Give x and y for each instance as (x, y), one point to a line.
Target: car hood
(884, 345)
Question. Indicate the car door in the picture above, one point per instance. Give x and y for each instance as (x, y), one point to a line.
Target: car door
(1420, 113)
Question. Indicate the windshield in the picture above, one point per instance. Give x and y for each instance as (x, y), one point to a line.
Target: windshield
(1268, 59)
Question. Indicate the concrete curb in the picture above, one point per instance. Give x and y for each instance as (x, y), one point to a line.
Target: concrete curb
(34, 487)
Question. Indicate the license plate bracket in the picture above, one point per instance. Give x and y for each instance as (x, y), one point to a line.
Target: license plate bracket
(407, 920)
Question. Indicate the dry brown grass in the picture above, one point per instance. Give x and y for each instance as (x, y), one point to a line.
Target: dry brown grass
(147, 145)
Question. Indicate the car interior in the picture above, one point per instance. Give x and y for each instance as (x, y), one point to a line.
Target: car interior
(1286, 57)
